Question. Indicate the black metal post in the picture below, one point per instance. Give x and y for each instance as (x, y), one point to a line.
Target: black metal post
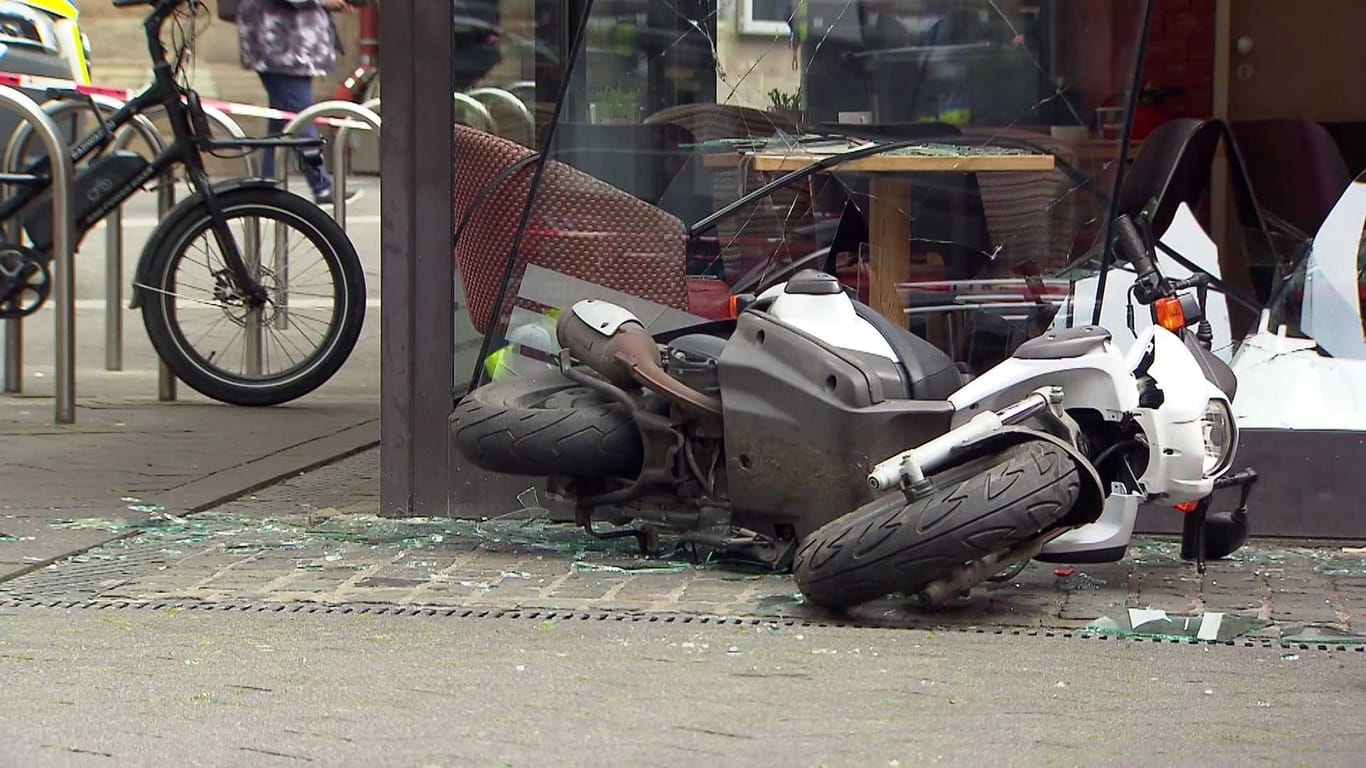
(1135, 87)
(417, 144)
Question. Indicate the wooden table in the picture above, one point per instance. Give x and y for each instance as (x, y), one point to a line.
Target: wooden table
(889, 225)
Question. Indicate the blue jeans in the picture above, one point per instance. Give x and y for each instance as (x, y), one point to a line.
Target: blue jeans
(292, 93)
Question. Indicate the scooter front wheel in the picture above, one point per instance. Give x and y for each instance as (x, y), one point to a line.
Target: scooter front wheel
(895, 545)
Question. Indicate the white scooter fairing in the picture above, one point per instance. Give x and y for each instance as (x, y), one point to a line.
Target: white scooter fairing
(1093, 374)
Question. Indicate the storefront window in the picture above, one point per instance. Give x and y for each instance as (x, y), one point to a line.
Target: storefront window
(702, 149)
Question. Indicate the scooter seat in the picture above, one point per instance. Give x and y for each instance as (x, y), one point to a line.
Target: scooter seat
(1073, 342)
(926, 372)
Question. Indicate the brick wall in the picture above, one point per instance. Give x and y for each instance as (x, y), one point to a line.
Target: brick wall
(1181, 54)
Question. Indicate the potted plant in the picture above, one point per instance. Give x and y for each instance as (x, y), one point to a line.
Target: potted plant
(786, 105)
(616, 106)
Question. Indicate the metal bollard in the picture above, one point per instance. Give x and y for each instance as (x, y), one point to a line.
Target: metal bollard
(63, 238)
(340, 172)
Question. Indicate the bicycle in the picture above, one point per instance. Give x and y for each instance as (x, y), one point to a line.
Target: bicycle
(245, 289)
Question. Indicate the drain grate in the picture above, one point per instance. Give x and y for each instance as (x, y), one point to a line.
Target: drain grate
(635, 618)
(85, 576)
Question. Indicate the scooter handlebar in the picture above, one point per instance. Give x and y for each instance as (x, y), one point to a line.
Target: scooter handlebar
(1132, 246)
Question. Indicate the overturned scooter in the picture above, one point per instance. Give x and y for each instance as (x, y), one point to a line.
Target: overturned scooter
(784, 437)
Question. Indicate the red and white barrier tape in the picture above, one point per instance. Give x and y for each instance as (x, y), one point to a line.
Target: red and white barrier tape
(35, 82)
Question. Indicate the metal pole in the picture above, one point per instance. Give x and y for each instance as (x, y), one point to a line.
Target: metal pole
(166, 382)
(113, 272)
(340, 171)
(14, 329)
(63, 238)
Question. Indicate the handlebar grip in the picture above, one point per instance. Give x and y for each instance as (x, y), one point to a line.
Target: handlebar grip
(1132, 246)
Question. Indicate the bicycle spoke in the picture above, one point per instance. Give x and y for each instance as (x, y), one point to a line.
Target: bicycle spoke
(215, 324)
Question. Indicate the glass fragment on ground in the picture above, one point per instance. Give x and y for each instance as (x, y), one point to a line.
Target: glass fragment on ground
(1320, 635)
(1209, 626)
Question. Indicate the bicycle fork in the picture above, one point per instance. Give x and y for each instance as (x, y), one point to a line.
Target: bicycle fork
(243, 266)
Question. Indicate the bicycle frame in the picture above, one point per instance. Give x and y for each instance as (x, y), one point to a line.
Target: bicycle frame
(191, 137)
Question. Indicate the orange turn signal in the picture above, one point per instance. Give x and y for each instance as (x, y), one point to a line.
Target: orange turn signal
(1170, 315)
(734, 307)
(1188, 506)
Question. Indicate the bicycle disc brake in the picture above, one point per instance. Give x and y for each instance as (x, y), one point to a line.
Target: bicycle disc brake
(25, 281)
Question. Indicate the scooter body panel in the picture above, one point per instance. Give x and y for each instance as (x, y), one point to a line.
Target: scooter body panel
(804, 421)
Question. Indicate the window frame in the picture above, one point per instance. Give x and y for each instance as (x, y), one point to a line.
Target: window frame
(752, 27)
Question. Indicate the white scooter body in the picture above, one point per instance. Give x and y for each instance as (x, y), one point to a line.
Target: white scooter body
(1101, 379)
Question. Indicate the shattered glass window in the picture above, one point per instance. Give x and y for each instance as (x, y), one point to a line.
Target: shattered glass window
(952, 162)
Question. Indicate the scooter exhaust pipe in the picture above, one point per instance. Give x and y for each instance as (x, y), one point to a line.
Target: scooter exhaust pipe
(615, 344)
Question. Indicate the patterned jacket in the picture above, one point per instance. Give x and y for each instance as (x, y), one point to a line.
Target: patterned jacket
(286, 37)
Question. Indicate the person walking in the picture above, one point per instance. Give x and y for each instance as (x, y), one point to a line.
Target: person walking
(288, 43)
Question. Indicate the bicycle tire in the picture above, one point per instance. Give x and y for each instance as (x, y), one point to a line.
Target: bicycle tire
(196, 371)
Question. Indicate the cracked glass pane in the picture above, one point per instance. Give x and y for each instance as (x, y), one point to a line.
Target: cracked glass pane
(950, 161)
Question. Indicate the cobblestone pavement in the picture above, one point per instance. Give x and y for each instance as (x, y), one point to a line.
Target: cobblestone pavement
(316, 539)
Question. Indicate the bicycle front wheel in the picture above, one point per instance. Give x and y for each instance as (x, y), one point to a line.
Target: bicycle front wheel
(201, 325)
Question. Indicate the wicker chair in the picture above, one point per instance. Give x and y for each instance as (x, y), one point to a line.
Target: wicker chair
(579, 226)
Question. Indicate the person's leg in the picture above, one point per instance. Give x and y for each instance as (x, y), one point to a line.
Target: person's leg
(268, 81)
(294, 93)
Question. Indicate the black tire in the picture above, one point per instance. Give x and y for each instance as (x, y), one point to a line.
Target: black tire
(337, 340)
(545, 424)
(891, 546)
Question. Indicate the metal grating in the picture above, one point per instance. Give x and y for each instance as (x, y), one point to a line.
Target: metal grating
(635, 618)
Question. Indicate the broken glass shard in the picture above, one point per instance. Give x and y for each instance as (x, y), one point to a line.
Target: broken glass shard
(1320, 635)
(1209, 626)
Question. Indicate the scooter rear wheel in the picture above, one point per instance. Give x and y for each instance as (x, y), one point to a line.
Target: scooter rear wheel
(545, 424)
(892, 545)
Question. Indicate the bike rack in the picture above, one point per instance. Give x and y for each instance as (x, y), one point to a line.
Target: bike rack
(523, 87)
(489, 125)
(341, 167)
(142, 127)
(63, 239)
(506, 97)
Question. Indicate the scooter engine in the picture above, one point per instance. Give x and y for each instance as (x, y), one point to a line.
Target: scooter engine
(692, 360)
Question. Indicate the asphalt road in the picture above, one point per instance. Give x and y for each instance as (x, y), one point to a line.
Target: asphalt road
(194, 687)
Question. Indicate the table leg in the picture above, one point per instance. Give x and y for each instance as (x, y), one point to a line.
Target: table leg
(889, 242)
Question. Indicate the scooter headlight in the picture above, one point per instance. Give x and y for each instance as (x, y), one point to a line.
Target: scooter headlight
(1220, 435)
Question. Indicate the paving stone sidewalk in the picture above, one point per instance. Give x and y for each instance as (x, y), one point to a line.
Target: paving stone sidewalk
(316, 539)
